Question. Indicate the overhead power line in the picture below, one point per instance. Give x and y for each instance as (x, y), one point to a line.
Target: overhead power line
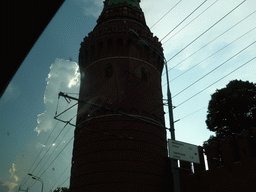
(211, 55)
(64, 181)
(191, 21)
(215, 39)
(242, 2)
(24, 181)
(45, 152)
(56, 146)
(183, 20)
(216, 81)
(193, 113)
(50, 147)
(61, 176)
(204, 32)
(55, 158)
(45, 143)
(214, 69)
(165, 14)
(208, 58)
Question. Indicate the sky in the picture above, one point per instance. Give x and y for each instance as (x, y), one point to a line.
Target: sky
(205, 50)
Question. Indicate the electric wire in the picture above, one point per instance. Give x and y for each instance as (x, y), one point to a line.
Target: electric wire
(23, 183)
(54, 159)
(214, 40)
(216, 82)
(220, 35)
(45, 143)
(207, 58)
(88, 129)
(213, 24)
(64, 181)
(222, 17)
(203, 33)
(115, 111)
(165, 14)
(63, 149)
(67, 123)
(62, 129)
(214, 69)
(192, 113)
(183, 20)
(50, 147)
(60, 176)
(210, 55)
(192, 20)
(53, 151)
(180, 104)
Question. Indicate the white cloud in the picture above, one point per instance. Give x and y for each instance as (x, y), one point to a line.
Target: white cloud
(63, 77)
(13, 175)
(10, 185)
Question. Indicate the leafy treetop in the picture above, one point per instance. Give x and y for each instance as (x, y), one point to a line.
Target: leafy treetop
(232, 108)
(61, 189)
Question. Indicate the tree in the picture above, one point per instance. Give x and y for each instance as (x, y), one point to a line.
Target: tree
(61, 189)
(232, 108)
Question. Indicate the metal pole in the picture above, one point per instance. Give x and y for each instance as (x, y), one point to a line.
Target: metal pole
(175, 171)
(176, 177)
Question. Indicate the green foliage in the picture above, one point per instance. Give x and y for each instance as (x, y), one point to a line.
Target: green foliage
(232, 108)
(61, 189)
(211, 138)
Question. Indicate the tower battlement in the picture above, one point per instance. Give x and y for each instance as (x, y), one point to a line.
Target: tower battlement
(231, 165)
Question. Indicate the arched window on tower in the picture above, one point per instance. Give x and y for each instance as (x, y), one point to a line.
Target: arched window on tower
(109, 71)
(120, 43)
(144, 74)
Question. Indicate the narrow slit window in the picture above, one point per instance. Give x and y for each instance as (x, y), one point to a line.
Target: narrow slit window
(144, 74)
(109, 71)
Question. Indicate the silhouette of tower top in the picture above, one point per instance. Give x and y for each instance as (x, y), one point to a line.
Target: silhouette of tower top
(134, 3)
(120, 142)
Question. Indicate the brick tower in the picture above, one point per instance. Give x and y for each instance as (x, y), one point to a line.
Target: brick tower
(123, 149)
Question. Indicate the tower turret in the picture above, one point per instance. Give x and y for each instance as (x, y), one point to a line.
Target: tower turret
(122, 149)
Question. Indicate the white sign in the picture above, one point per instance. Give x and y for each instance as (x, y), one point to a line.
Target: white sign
(183, 151)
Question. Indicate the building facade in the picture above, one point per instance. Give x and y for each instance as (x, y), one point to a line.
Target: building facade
(120, 138)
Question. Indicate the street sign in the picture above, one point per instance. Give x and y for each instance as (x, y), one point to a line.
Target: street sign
(183, 151)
